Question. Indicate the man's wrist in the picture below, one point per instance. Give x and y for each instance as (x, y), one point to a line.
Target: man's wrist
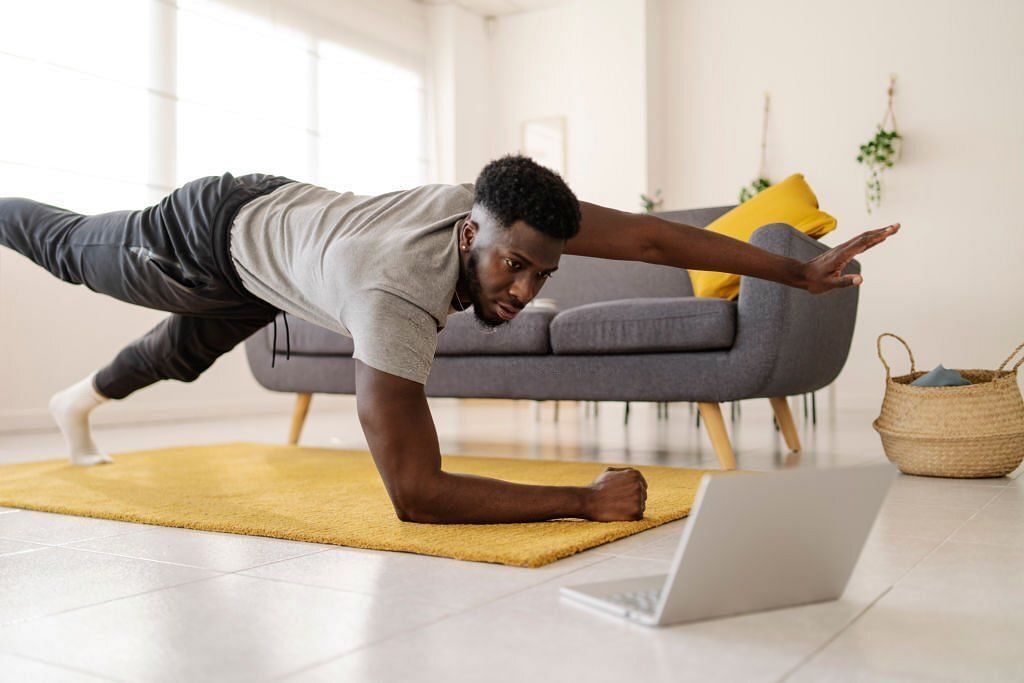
(796, 274)
(584, 496)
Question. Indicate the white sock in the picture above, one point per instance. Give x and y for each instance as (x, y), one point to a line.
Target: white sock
(71, 408)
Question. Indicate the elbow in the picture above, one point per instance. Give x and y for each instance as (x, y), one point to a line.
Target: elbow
(403, 513)
(414, 501)
(415, 512)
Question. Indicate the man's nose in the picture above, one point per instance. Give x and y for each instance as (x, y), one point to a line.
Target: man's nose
(524, 288)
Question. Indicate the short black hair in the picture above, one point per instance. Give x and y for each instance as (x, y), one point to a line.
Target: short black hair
(515, 187)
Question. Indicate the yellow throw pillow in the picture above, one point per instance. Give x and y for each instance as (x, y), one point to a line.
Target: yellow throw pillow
(792, 201)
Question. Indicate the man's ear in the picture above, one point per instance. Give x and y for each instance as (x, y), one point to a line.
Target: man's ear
(467, 234)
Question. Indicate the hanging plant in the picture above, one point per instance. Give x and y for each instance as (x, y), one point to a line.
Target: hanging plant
(761, 182)
(880, 152)
(652, 203)
(749, 191)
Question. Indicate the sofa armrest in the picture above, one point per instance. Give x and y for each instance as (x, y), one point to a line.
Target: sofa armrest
(798, 341)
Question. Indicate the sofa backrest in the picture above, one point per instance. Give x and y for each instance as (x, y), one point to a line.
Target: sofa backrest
(584, 280)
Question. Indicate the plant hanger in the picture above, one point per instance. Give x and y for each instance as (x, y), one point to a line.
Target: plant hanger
(881, 152)
(760, 182)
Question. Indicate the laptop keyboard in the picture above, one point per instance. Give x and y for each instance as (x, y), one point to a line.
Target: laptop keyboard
(638, 601)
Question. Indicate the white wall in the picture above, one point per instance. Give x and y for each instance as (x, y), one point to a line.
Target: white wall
(950, 281)
(585, 61)
(460, 78)
(112, 102)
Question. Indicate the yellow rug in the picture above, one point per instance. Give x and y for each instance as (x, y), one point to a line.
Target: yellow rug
(324, 496)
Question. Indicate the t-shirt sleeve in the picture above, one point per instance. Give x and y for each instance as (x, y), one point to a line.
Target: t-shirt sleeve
(391, 334)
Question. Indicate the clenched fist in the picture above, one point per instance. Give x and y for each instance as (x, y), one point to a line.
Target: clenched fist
(618, 494)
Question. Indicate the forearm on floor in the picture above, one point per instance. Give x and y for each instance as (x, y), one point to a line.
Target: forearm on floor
(450, 498)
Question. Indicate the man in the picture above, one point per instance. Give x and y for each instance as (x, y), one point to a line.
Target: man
(225, 255)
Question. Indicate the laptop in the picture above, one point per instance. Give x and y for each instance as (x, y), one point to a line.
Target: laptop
(755, 541)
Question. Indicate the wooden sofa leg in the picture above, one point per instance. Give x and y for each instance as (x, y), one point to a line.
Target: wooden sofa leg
(712, 414)
(785, 419)
(299, 417)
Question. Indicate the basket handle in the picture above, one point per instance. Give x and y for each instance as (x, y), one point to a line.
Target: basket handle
(913, 369)
(1010, 357)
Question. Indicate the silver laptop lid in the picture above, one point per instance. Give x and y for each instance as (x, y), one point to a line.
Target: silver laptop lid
(764, 540)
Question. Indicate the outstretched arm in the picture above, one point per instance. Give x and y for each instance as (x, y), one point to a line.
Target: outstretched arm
(396, 420)
(607, 233)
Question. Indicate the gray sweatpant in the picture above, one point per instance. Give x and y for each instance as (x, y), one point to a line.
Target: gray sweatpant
(172, 256)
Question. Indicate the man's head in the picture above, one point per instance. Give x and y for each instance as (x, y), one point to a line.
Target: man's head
(509, 246)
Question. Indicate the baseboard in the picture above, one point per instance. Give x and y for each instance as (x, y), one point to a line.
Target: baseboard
(116, 413)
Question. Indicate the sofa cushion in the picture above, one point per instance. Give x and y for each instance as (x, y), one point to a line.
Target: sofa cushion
(645, 326)
(526, 334)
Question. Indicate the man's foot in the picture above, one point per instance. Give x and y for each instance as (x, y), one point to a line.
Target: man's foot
(71, 408)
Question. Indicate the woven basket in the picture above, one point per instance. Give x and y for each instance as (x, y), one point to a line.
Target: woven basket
(974, 430)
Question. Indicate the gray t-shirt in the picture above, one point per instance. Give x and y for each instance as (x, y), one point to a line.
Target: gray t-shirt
(380, 269)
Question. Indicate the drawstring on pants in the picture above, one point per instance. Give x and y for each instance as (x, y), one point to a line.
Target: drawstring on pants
(287, 340)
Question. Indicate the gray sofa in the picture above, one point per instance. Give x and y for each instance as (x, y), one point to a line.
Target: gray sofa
(622, 331)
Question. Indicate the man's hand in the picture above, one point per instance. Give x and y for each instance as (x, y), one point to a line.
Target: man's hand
(618, 494)
(825, 272)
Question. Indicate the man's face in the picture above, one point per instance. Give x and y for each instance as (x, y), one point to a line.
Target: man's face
(504, 268)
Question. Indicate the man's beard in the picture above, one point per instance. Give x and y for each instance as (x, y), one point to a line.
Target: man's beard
(476, 295)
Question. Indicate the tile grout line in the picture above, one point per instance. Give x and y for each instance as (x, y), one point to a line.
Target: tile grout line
(811, 655)
(283, 559)
(602, 558)
(428, 624)
(217, 574)
(181, 564)
(16, 622)
(807, 659)
(65, 667)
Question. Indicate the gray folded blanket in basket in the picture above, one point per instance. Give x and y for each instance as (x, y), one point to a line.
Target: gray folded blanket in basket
(940, 377)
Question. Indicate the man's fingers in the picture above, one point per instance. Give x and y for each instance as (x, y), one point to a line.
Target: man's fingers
(873, 237)
(862, 242)
(836, 259)
(884, 232)
(870, 239)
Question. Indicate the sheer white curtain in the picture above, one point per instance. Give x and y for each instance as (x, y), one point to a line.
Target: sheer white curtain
(113, 103)
(258, 96)
(74, 108)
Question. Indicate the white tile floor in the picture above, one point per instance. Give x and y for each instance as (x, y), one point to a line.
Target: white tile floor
(938, 593)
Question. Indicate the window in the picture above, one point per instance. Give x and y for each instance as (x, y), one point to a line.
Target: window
(117, 102)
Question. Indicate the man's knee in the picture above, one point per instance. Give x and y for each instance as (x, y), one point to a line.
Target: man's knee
(189, 375)
(185, 368)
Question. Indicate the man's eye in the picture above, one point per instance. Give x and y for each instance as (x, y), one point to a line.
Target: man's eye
(514, 265)
(546, 276)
